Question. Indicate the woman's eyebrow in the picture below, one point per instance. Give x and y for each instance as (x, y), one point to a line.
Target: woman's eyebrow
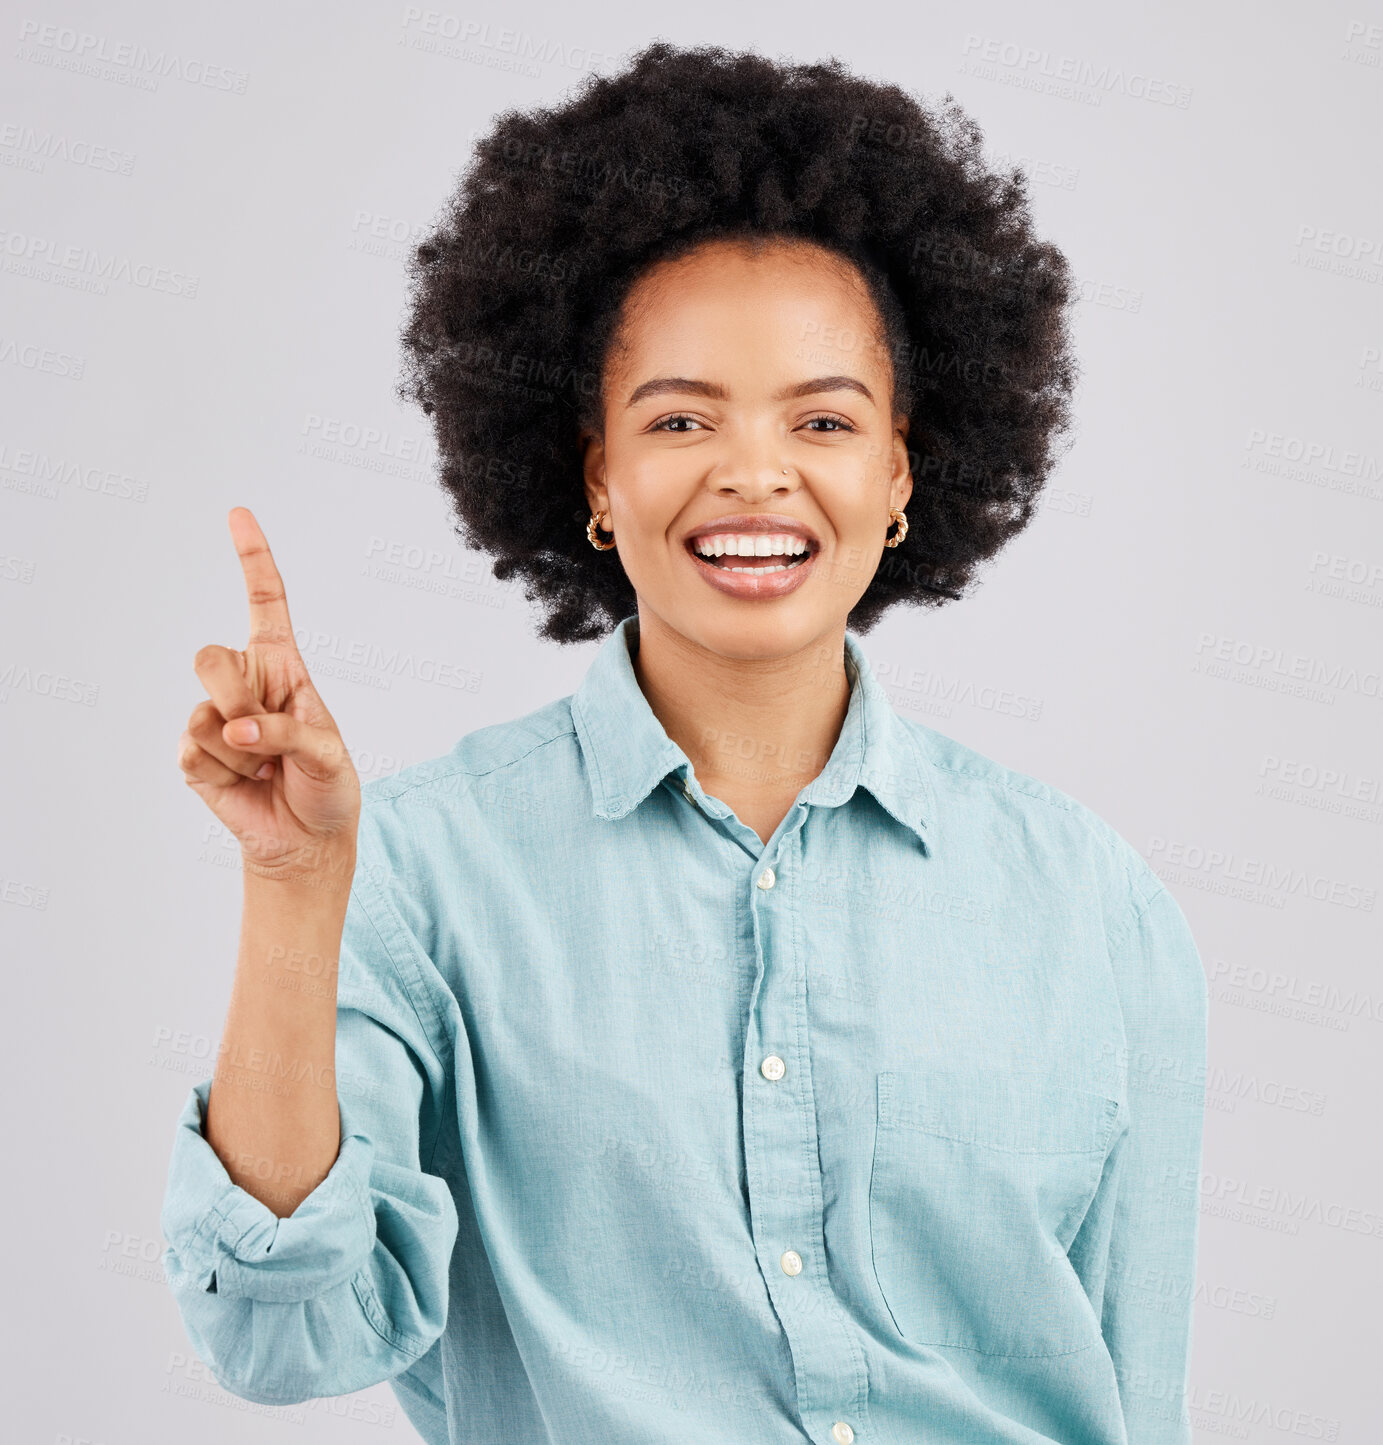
(717, 392)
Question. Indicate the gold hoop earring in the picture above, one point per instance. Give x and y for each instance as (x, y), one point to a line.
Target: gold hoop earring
(591, 527)
(902, 519)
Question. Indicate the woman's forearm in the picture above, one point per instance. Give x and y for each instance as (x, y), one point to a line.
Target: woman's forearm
(272, 1114)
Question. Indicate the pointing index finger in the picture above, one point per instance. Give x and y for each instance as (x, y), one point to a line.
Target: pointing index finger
(269, 620)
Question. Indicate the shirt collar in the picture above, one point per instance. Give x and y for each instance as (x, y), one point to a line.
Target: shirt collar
(628, 752)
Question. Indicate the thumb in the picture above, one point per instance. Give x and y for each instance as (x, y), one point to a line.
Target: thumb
(318, 751)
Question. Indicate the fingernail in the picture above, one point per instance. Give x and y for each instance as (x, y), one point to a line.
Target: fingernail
(265, 770)
(244, 730)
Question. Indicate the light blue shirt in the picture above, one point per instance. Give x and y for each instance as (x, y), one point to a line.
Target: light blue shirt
(887, 1130)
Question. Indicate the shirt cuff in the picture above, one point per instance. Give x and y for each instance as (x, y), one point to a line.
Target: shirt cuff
(225, 1241)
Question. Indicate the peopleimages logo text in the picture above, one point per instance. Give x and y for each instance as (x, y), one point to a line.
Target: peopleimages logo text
(1258, 872)
(1030, 60)
(83, 49)
(40, 251)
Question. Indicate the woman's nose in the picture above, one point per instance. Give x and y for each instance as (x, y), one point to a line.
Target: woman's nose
(752, 481)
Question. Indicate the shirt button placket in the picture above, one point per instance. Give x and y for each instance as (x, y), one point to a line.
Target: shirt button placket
(785, 1184)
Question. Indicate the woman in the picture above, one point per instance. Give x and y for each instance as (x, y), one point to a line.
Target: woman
(711, 1054)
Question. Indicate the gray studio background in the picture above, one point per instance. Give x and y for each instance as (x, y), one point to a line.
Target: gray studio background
(1187, 639)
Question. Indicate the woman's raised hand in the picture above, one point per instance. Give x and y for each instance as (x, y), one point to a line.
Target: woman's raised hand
(289, 792)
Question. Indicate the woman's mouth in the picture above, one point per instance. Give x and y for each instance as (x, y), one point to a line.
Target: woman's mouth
(753, 564)
(759, 553)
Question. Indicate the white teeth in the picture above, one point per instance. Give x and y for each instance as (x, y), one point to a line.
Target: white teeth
(750, 544)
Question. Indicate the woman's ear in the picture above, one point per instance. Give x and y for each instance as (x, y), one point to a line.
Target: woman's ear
(902, 469)
(593, 471)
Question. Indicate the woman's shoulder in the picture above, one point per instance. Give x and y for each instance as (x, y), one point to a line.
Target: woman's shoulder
(990, 795)
(492, 748)
(480, 805)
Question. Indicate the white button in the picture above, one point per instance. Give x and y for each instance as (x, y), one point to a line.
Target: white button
(766, 878)
(791, 1262)
(842, 1432)
(773, 1067)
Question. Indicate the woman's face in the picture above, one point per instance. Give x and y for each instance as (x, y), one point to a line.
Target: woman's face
(749, 403)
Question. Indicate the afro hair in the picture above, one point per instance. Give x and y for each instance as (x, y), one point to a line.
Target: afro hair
(516, 292)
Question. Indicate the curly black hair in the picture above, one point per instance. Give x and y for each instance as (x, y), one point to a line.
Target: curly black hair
(516, 293)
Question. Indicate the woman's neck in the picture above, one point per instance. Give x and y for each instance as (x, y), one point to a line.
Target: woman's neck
(757, 730)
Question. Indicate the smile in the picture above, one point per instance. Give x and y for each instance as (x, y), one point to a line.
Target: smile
(753, 564)
(732, 551)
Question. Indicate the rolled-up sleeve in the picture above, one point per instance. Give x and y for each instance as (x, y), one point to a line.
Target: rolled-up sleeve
(352, 1288)
(1136, 1250)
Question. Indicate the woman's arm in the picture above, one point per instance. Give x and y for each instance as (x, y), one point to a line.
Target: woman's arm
(308, 1249)
(351, 1287)
(265, 755)
(272, 1112)
(1137, 1247)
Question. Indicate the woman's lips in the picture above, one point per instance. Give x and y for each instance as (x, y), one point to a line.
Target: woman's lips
(746, 584)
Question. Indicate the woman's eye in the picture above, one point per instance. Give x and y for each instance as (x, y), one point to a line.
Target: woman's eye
(837, 423)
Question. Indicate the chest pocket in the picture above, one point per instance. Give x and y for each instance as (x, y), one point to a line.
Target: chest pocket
(979, 1183)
